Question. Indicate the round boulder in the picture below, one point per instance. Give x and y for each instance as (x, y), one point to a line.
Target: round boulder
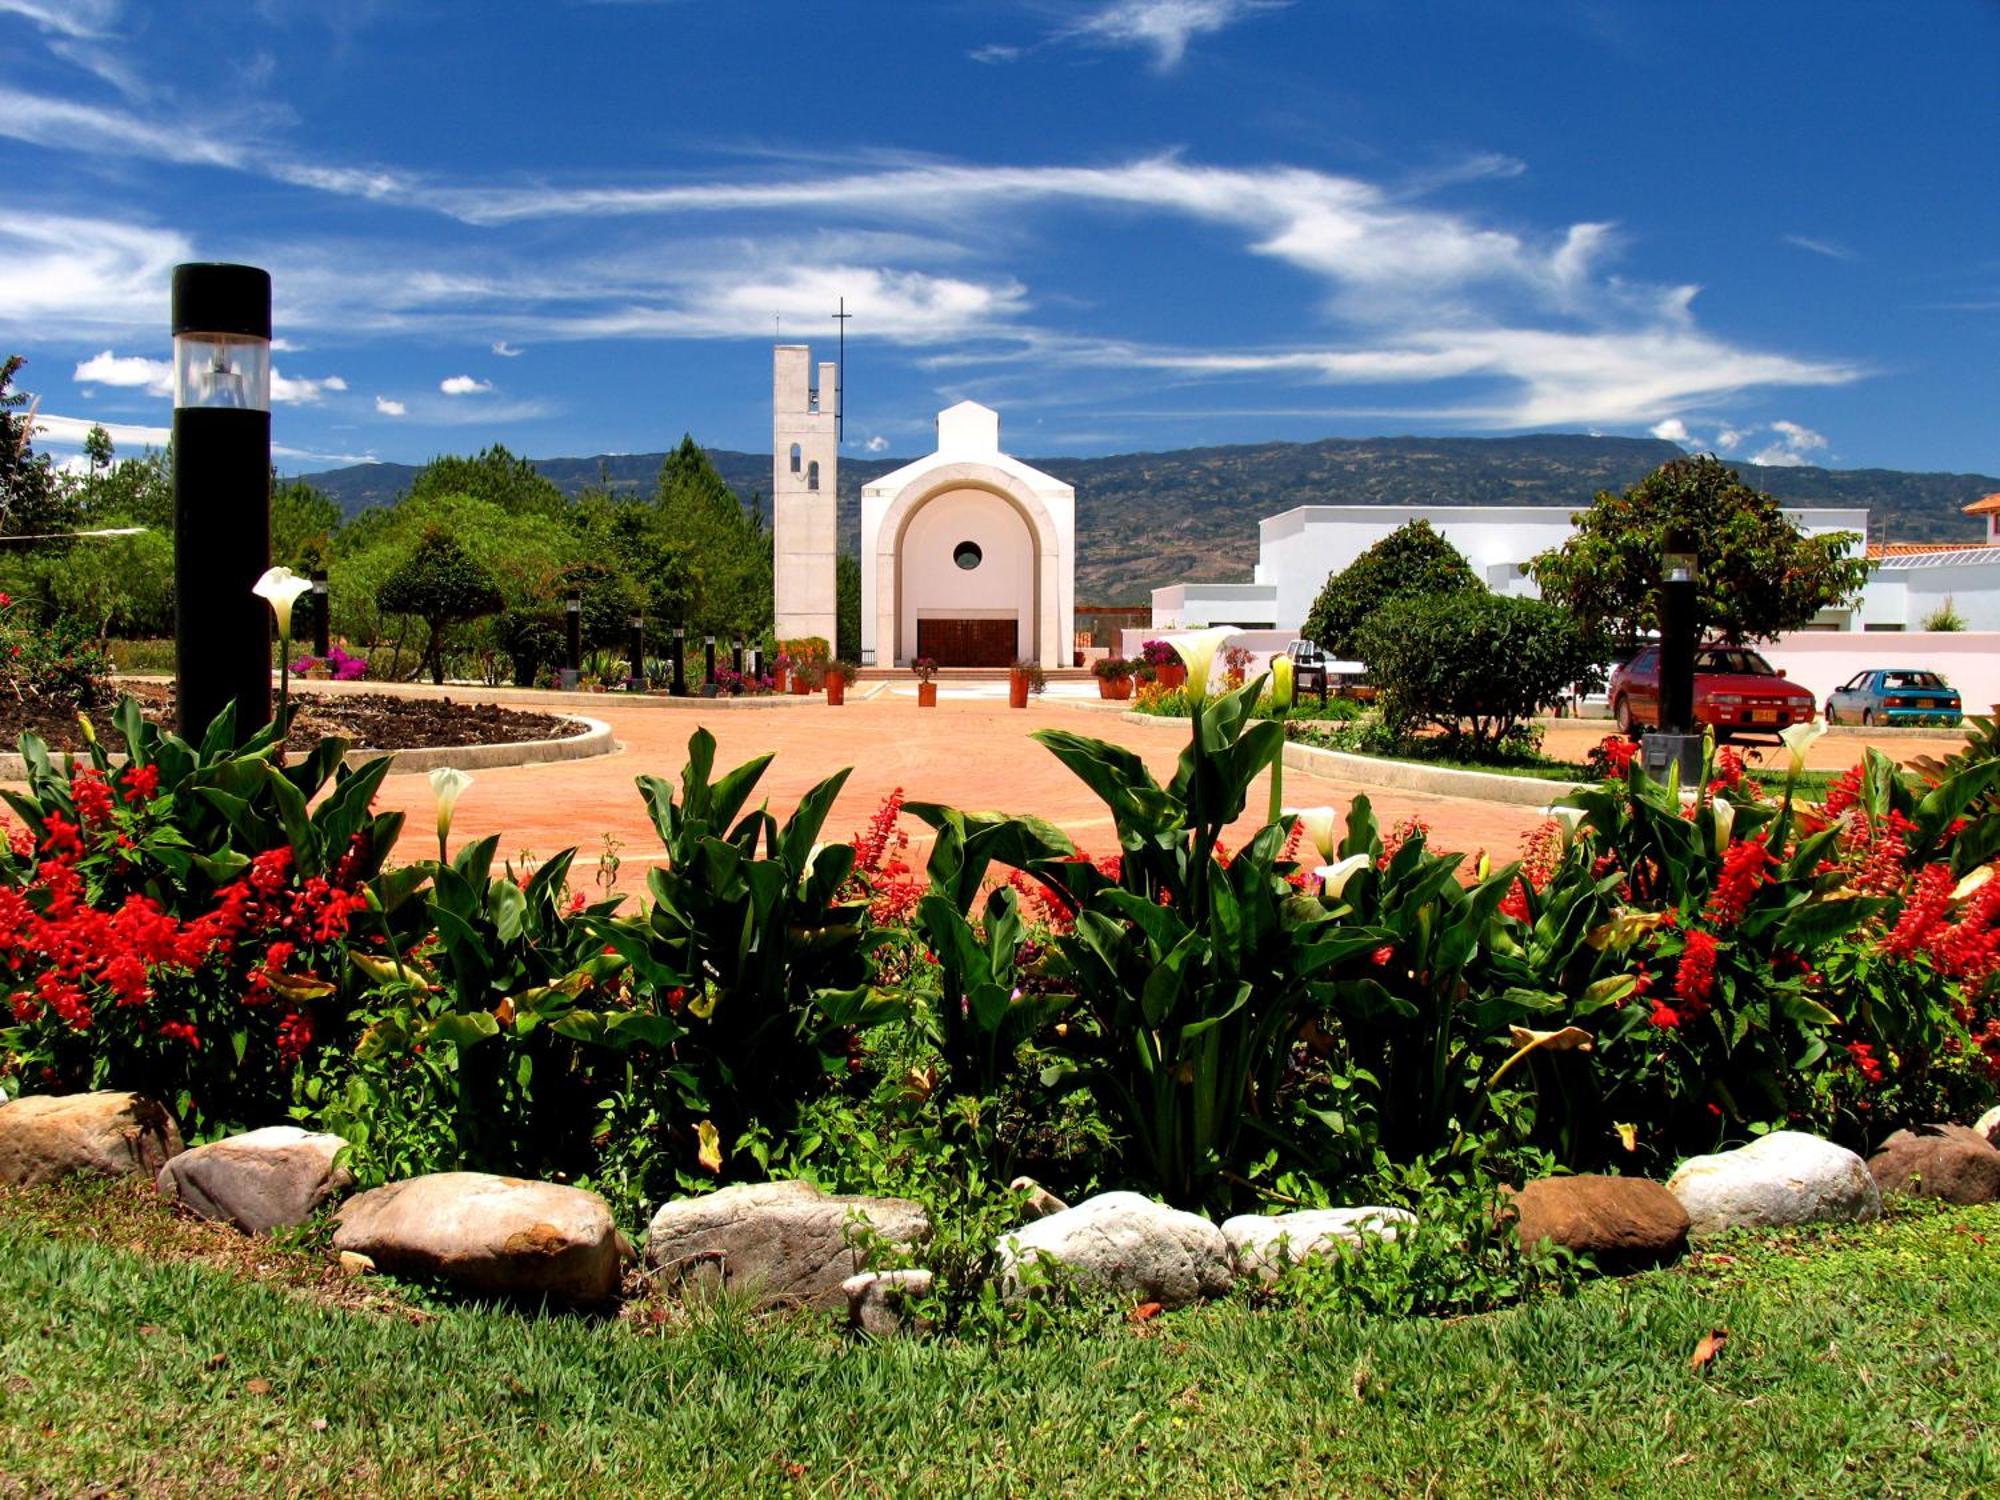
(1938, 1161)
(498, 1236)
(1127, 1244)
(260, 1180)
(44, 1137)
(1786, 1177)
(1621, 1221)
(781, 1242)
(1988, 1125)
(1262, 1245)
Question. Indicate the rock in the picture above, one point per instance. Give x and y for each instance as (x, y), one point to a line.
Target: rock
(259, 1180)
(1040, 1201)
(1938, 1161)
(1988, 1125)
(49, 1136)
(780, 1242)
(355, 1265)
(1622, 1221)
(1128, 1244)
(1262, 1245)
(875, 1300)
(499, 1236)
(1783, 1178)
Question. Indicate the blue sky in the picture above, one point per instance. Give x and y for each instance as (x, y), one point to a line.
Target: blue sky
(1767, 229)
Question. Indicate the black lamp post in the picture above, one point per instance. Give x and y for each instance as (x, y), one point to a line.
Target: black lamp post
(736, 656)
(222, 494)
(1676, 743)
(573, 622)
(637, 683)
(708, 665)
(680, 661)
(322, 613)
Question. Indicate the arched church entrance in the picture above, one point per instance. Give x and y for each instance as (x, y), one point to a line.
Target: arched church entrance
(968, 568)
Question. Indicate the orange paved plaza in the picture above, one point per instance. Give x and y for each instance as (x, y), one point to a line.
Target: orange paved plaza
(972, 753)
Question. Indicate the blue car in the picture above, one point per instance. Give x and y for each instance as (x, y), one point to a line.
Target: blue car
(1894, 695)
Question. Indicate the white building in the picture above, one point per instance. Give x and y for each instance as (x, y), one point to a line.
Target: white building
(805, 477)
(1299, 549)
(968, 556)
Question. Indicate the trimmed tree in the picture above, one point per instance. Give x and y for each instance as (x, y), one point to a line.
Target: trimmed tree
(1474, 665)
(1413, 560)
(441, 584)
(1760, 575)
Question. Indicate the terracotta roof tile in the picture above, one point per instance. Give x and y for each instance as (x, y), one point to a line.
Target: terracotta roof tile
(1986, 506)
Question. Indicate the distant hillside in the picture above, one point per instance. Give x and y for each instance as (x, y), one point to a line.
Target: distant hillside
(1145, 519)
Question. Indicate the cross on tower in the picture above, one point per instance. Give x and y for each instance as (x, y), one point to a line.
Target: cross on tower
(840, 375)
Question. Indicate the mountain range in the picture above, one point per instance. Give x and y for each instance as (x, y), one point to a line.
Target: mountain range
(1145, 519)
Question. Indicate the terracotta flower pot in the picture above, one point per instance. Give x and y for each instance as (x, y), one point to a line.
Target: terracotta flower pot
(781, 679)
(1017, 689)
(927, 695)
(836, 691)
(1121, 689)
(800, 687)
(1173, 675)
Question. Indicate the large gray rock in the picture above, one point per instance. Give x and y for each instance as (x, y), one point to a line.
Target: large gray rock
(500, 1236)
(49, 1136)
(1262, 1245)
(1127, 1244)
(1938, 1161)
(1988, 1125)
(260, 1180)
(875, 1300)
(1783, 1178)
(779, 1242)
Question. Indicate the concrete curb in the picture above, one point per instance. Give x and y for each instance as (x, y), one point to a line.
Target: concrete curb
(1409, 775)
(593, 739)
(513, 697)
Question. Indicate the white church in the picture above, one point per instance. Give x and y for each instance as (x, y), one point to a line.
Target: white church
(968, 556)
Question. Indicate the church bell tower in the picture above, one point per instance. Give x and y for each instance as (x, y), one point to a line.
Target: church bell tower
(805, 475)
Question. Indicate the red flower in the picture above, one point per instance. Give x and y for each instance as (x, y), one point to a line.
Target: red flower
(1864, 1057)
(1743, 869)
(1664, 1016)
(1694, 979)
(295, 1034)
(1922, 912)
(180, 1031)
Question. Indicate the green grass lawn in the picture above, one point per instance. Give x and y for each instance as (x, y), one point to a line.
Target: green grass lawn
(152, 1357)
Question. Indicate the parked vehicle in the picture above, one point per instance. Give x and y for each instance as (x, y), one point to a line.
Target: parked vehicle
(1735, 692)
(1894, 695)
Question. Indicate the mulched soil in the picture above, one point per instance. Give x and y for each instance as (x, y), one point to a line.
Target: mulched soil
(369, 721)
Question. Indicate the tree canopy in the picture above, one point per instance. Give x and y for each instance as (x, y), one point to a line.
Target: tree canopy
(1759, 574)
(441, 584)
(31, 500)
(495, 476)
(1412, 560)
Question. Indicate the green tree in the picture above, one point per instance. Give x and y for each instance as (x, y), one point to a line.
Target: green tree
(32, 503)
(847, 606)
(1760, 575)
(495, 476)
(97, 448)
(1474, 664)
(443, 585)
(303, 523)
(1412, 560)
(724, 541)
(131, 492)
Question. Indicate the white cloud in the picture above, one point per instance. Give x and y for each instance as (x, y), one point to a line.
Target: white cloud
(77, 278)
(995, 52)
(390, 408)
(463, 385)
(69, 18)
(1672, 430)
(506, 350)
(1796, 445)
(286, 388)
(334, 383)
(877, 444)
(1827, 248)
(1163, 27)
(127, 371)
(68, 432)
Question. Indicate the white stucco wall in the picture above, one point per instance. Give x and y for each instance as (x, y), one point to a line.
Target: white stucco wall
(1822, 660)
(1001, 587)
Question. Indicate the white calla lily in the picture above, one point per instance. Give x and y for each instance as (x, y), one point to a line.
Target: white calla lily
(1322, 826)
(1198, 650)
(1801, 738)
(448, 783)
(1725, 822)
(280, 588)
(1972, 882)
(1333, 878)
(1570, 819)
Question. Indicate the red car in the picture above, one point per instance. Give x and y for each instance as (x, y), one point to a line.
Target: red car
(1735, 690)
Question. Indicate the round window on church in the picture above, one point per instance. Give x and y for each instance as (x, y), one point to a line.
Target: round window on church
(967, 555)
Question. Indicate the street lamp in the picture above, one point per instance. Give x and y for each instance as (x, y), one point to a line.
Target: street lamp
(637, 683)
(680, 687)
(321, 621)
(222, 494)
(1677, 744)
(708, 665)
(573, 620)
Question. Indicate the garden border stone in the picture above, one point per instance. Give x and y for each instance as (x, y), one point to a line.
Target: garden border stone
(104, 1133)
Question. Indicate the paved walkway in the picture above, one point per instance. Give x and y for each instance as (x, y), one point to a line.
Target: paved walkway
(971, 752)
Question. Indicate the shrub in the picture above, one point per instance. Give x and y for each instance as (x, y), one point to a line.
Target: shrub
(925, 668)
(1945, 617)
(1038, 680)
(1411, 561)
(1112, 669)
(1474, 664)
(442, 585)
(57, 666)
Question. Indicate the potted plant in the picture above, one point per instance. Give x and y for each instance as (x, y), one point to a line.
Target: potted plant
(781, 673)
(926, 670)
(808, 676)
(838, 675)
(1114, 678)
(1025, 677)
(1168, 668)
(800, 652)
(1235, 662)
